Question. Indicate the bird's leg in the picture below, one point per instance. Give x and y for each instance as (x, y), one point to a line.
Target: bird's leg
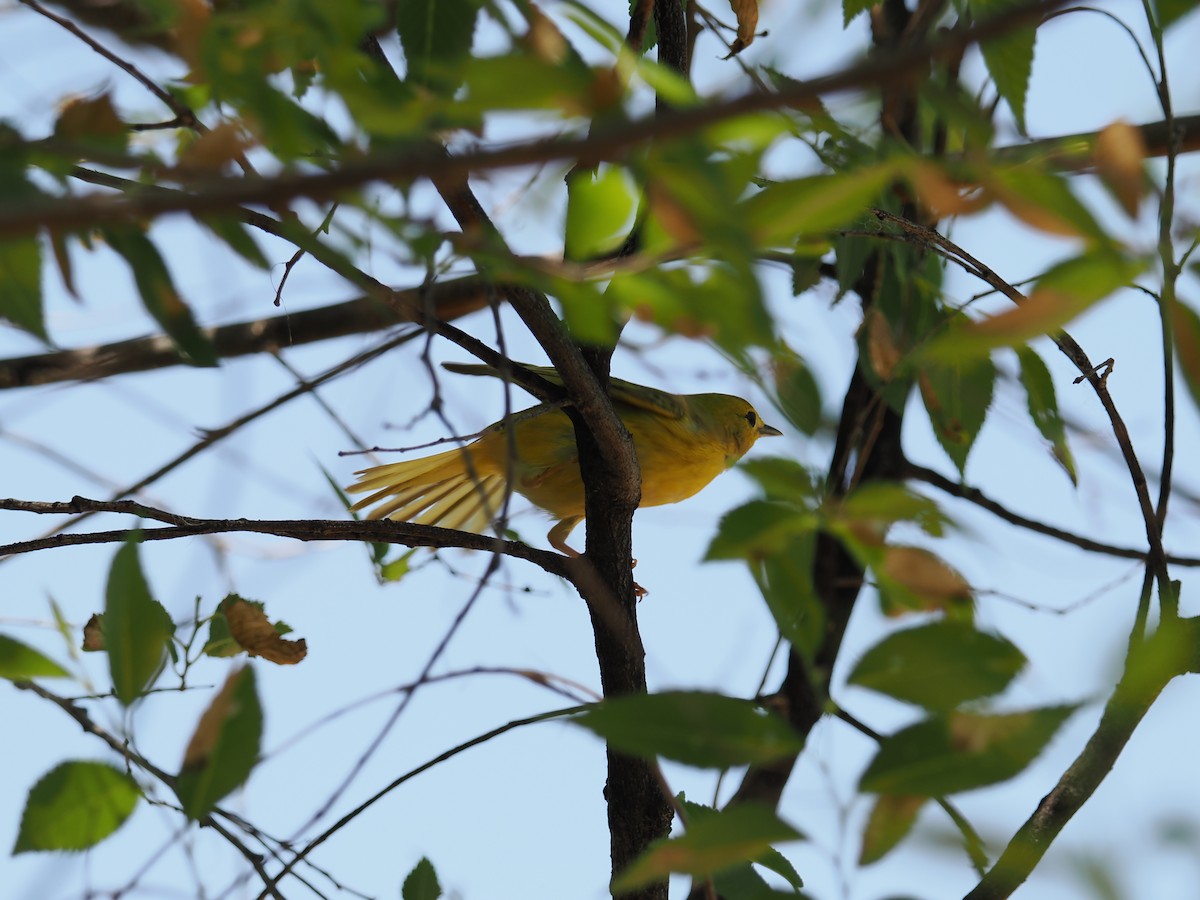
(558, 536)
(558, 540)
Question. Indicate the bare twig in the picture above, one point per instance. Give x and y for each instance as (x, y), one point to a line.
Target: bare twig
(383, 532)
(408, 776)
(976, 496)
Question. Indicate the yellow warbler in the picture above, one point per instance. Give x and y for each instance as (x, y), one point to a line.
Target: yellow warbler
(682, 442)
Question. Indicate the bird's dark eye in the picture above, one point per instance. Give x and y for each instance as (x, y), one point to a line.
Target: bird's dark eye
(752, 418)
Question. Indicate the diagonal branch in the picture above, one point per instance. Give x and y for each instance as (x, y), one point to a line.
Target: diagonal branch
(976, 496)
(1150, 666)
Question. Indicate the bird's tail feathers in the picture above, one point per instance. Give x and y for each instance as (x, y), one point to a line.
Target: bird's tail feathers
(444, 490)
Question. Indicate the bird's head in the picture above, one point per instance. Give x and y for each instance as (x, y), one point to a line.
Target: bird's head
(736, 420)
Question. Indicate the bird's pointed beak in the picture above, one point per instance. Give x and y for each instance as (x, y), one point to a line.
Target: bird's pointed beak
(765, 430)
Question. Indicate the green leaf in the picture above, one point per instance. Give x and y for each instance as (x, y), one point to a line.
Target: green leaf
(237, 237)
(939, 665)
(785, 211)
(1168, 12)
(1185, 325)
(784, 479)
(522, 82)
(957, 396)
(706, 300)
(797, 392)
(786, 581)
(692, 727)
(600, 211)
(21, 285)
(421, 883)
(876, 505)
(224, 747)
(960, 752)
(220, 641)
(851, 8)
(771, 859)
(436, 36)
(1045, 201)
(159, 296)
(1060, 295)
(394, 570)
(710, 844)
(74, 806)
(1009, 58)
(136, 627)
(1043, 407)
(20, 662)
(891, 819)
(758, 529)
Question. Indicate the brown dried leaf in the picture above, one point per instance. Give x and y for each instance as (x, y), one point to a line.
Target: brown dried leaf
(189, 28)
(1119, 154)
(544, 38)
(747, 19)
(93, 634)
(924, 574)
(251, 628)
(89, 117)
(881, 345)
(213, 150)
(672, 216)
(208, 729)
(1045, 310)
(1035, 215)
(58, 243)
(944, 197)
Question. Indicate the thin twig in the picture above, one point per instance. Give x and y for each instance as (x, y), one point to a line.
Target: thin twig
(976, 496)
(382, 532)
(1155, 559)
(121, 748)
(408, 776)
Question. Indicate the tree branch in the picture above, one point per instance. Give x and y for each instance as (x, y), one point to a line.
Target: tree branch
(1156, 558)
(1171, 651)
(976, 496)
(218, 194)
(382, 532)
(449, 300)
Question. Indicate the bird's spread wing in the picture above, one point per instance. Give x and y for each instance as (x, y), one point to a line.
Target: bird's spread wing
(660, 403)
